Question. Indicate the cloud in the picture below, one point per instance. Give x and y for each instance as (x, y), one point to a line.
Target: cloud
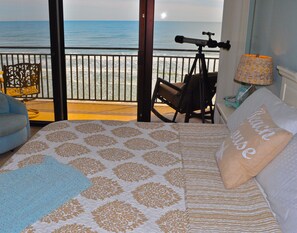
(190, 10)
(101, 10)
(23, 10)
(177, 10)
(210, 3)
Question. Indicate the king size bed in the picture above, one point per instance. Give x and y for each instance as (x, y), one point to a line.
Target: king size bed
(111, 176)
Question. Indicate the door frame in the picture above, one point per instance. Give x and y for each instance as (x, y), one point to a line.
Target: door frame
(56, 20)
(145, 59)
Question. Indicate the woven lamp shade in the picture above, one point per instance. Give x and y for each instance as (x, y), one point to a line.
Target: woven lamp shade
(254, 69)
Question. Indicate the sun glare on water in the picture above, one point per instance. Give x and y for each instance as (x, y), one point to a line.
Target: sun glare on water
(163, 15)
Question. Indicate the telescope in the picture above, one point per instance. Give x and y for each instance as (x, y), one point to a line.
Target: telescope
(202, 43)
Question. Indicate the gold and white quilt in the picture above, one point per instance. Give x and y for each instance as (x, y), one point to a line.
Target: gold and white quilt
(146, 177)
(135, 170)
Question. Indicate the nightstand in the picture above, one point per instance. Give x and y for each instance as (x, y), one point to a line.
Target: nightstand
(224, 112)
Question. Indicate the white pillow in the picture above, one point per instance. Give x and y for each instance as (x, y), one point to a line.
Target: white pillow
(283, 115)
(279, 181)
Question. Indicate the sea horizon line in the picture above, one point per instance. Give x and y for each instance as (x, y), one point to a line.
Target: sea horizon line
(111, 20)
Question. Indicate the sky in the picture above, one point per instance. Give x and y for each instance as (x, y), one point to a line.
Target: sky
(172, 10)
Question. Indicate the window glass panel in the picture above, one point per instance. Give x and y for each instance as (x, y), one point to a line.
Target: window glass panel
(188, 18)
(24, 38)
(101, 39)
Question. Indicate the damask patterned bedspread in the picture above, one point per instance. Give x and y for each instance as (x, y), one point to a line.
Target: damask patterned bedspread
(146, 177)
(135, 170)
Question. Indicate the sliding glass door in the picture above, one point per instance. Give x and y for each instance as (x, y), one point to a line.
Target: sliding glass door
(188, 18)
(102, 50)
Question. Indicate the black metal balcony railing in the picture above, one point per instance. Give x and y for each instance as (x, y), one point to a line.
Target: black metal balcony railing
(106, 76)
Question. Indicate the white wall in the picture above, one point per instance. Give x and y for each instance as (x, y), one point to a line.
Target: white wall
(234, 28)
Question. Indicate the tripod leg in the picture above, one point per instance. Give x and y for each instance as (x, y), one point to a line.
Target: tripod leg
(174, 117)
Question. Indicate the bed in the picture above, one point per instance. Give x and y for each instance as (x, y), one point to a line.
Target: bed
(135, 177)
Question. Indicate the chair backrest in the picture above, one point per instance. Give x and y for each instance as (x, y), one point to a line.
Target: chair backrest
(22, 80)
(194, 89)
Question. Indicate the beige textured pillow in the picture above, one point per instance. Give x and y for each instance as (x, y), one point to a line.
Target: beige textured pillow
(256, 142)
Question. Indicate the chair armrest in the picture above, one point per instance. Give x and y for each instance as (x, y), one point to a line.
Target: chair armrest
(160, 80)
(16, 106)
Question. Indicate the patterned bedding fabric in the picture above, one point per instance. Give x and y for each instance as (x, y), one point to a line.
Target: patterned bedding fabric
(147, 177)
(210, 207)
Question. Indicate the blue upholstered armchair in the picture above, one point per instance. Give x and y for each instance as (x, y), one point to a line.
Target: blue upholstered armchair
(14, 123)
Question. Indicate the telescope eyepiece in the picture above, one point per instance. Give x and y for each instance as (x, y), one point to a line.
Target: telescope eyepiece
(224, 45)
(208, 33)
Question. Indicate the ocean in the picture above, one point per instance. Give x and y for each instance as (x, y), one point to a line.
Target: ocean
(104, 33)
(96, 74)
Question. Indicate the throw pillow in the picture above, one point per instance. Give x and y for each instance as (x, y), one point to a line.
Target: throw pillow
(250, 148)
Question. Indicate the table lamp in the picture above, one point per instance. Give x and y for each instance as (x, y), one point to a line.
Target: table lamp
(253, 69)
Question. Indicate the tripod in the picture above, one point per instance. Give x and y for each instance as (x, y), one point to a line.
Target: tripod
(203, 85)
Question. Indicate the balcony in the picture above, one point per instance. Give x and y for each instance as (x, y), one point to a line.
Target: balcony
(102, 82)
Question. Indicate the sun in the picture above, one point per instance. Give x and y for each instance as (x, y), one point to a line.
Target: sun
(163, 15)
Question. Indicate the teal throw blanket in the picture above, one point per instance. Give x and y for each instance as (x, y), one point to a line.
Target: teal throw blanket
(27, 194)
